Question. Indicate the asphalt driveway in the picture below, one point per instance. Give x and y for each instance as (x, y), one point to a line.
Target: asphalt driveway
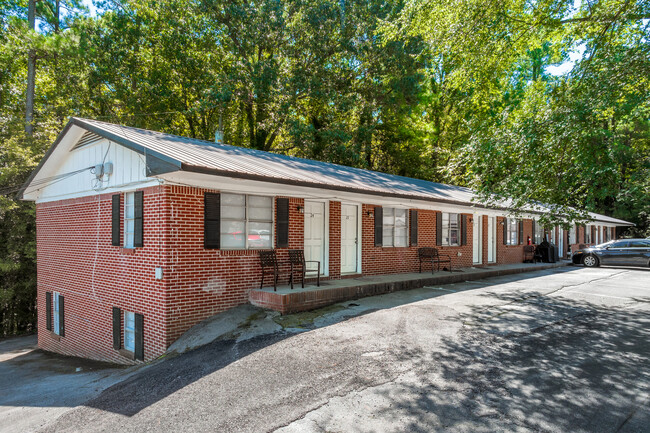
(559, 350)
(36, 387)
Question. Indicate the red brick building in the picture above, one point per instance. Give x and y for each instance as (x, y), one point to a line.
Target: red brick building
(141, 235)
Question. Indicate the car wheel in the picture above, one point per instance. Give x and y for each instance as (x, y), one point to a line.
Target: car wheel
(590, 261)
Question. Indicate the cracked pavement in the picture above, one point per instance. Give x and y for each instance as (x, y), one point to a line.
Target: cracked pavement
(560, 350)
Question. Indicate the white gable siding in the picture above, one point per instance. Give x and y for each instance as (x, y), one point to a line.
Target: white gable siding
(129, 172)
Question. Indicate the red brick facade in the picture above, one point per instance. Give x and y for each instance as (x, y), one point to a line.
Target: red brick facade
(77, 260)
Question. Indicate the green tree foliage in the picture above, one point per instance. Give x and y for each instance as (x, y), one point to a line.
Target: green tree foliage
(455, 91)
(579, 141)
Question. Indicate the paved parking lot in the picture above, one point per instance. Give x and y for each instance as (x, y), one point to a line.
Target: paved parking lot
(553, 351)
(37, 387)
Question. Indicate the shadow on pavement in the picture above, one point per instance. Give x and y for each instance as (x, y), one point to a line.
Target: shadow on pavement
(580, 369)
(553, 363)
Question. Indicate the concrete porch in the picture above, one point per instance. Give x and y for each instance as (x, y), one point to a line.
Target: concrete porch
(330, 292)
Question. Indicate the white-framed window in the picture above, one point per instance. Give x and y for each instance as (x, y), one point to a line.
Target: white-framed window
(129, 219)
(56, 311)
(538, 236)
(588, 230)
(394, 227)
(512, 231)
(246, 221)
(129, 331)
(450, 229)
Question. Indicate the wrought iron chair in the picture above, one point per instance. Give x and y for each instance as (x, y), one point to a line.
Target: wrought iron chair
(429, 254)
(269, 263)
(298, 263)
(529, 253)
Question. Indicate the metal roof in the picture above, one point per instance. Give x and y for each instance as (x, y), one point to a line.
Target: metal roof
(169, 152)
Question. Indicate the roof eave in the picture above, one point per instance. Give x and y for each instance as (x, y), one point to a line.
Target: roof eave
(156, 162)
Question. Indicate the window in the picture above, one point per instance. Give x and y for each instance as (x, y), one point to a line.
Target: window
(639, 244)
(512, 231)
(605, 233)
(129, 331)
(394, 227)
(56, 313)
(450, 229)
(588, 230)
(538, 235)
(246, 221)
(129, 219)
(128, 336)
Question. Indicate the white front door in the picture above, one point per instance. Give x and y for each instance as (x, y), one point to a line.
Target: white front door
(477, 239)
(315, 234)
(491, 239)
(349, 238)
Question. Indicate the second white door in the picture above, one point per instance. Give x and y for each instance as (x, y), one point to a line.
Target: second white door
(477, 239)
(315, 234)
(349, 238)
(491, 239)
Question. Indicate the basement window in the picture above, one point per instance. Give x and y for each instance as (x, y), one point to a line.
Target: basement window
(129, 331)
(56, 313)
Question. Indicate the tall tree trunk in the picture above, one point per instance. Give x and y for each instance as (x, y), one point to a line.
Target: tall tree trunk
(31, 73)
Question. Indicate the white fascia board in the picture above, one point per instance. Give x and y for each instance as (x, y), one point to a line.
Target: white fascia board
(245, 186)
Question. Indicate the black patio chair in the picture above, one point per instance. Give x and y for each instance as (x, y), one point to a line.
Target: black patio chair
(529, 253)
(431, 255)
(298, 263)
(269, 264)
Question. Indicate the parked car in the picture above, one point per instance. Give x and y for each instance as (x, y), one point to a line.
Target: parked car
(625, 252)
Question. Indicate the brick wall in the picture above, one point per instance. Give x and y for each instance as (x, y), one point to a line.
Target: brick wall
(76, 259)
(383, 260)
(204, 282)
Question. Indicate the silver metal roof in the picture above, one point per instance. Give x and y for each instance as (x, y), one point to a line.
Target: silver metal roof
(181, 153)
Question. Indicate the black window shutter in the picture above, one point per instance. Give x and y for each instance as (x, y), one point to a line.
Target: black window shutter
(505, 231)
(48, 311)
(282, 222)
(379, 226)
(521, 231)
(139, 337)
(212, 220)
(138, 215)
(413, 227)
(117, 328)
(463, 229)
(116, 220)
(61, 316)
(438, 228)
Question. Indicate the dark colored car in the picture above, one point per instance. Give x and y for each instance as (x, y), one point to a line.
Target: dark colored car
(623, 252)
